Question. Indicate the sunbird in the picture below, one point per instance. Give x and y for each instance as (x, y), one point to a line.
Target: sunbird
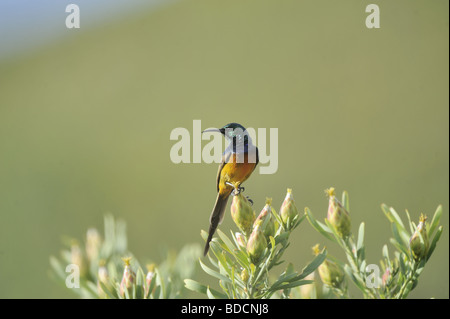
(238, 162)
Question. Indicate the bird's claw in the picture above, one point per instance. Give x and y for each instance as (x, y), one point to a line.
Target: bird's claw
(237, 190)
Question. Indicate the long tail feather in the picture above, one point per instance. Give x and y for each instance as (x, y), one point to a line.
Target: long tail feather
(216, 217)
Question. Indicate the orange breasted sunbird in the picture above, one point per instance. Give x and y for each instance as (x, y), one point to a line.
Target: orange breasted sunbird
(238, 162)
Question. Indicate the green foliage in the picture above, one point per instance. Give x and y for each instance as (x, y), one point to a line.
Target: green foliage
(242, 276)
(400, 273)
(102, 270)
(107, 269)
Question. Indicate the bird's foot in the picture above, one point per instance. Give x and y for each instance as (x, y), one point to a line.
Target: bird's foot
(251, 201)
(237, 189)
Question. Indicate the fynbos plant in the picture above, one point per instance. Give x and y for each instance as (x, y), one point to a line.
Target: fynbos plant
(400, 273)
(106, 269)
(243, 263)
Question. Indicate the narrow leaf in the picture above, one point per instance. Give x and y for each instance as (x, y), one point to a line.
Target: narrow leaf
(434, 242)
(346, 201)
(214, 273)
(435, 221)
(195, 286)
(317, 261)
(315, 224)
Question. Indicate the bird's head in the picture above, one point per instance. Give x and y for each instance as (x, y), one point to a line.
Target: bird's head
(232, 132)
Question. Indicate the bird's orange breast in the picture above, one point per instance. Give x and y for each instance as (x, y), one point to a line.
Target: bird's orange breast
(235, 173)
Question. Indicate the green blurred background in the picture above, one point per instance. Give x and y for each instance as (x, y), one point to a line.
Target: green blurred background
(85, 124)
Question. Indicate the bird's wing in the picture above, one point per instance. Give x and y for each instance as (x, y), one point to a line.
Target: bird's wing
(225, 159)
(257, 157)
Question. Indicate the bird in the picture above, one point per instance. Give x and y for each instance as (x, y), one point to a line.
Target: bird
(239, 160)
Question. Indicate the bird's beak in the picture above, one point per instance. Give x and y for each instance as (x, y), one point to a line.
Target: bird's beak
(216, 130)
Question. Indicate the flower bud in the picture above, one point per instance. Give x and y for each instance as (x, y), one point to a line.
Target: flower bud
(265, 219)
(330, 273)
(244, 275)
(102, 277)
(256, 243)
(337, 215)
(419, 240)
(93, 244)
(128, 278)
(77, 258)
(242, 214)
(386, 277)
(288, 209)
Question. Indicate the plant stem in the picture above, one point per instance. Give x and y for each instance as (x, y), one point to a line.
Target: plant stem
(356, 266)
(408, 280)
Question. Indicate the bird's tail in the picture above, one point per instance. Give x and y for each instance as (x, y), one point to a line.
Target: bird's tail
(216, 217)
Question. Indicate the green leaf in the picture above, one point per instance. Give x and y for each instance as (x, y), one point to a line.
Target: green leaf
(287, 276)
(385, 253)
(242, 258)
(360, 249)
(209, 294)
(272, 242)
(297, 220)
(411, 227)
(230, 294)
(107, 291)
(228, 244)
(157, 293)
(315, 224)
(168, 289)
(312, 266)
(152, 285)
(126, 293)
(337, 238)
(90, 289)
(294, 284)
(204, 235)
(399, 247)
(280, 239)
(214, 273)
(393, 217)
(200, 288)
(360, 241)
(435, 221)
(362, 267)
(195, 286)
(284, 278)
(213, 261)
(58, 268)
(346, 201)
(434, 242)
(217, 251)
(409, 287)
(237, 253)
(357, 280)
(276, 216)
(133, 292)
(401, 259)
(140, 277)
(160, 287)
(404, 244)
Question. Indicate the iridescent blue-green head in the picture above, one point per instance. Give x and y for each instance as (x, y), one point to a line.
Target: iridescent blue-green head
(233, 132)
